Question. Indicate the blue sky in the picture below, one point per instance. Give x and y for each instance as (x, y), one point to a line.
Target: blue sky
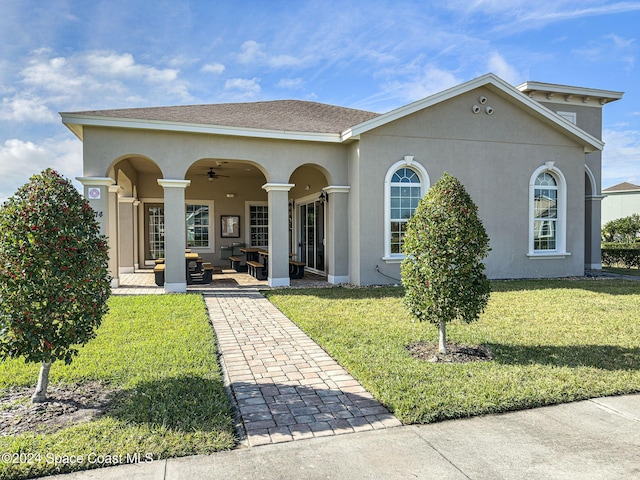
(68, 55)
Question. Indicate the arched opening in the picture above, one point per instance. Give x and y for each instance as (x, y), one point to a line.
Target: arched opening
(308, 208)
(221, 204)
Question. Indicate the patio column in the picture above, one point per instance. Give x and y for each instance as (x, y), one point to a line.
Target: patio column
(278, 196)
(175, 237)
(126, 233)
(102, 195)
(337, 248)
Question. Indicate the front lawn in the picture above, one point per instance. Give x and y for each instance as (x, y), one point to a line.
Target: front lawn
(553, 341)
(157, 355)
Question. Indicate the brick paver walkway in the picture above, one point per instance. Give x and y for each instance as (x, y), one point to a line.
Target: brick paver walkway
(284, 385)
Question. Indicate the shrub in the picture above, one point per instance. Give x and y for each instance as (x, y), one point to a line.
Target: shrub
(626, 255)
(625, 229)
(445, 244)
(54, 282)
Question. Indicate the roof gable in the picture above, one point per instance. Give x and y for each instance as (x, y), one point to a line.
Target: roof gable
(496, 85)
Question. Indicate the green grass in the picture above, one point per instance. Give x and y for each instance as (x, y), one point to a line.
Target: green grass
(159, 353)
(553, 341)
(623, 271)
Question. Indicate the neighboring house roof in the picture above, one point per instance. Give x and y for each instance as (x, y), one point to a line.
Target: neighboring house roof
(622, 187)
(301, 120)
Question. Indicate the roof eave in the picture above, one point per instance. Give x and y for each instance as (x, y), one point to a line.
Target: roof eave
(76, 122)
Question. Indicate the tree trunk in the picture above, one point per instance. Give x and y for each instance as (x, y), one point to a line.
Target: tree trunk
(442, 341)
(40, 395)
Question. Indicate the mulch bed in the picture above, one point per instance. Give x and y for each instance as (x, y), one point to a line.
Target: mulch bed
(457, 353)
(66, 405)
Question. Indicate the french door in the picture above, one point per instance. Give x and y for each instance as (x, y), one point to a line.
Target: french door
(311, 233)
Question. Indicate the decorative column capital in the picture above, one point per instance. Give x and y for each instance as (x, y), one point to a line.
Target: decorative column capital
(337, 189)
(96, 181)
(168, 183)
(278, 187)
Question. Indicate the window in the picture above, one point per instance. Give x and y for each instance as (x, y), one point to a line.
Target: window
(197, 226)
(547, 212)
(258, 225)
(571, 116)
(405, 184)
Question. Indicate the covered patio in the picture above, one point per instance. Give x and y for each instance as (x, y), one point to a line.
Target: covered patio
(141, 282)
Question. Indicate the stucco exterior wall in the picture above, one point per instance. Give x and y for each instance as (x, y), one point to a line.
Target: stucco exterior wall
(494, 157)
(620, 205)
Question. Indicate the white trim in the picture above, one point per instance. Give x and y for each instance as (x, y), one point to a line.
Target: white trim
(494, 83)
(123, 270)
(247, 220)
(337, 279)
(562, 90)
(548, 256)
(279, 282)
(212, 226)
(115, 283)
(571, 116)
(168, 183)
(561, 221)
(278, 187)
(180, 287)
(337, 189)
(96, 181)
(75, 122)
(592, 180)
(425, 183)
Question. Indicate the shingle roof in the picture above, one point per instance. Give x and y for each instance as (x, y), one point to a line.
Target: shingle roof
(621, 187)
(285, 115)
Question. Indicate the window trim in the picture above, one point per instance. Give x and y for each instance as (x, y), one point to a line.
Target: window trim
(425, 183)
(247, 220)
(561, 222)
(212, 230)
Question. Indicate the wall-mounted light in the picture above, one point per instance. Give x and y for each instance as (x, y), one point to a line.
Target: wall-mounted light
(308, 187)
(231, 195)
(324, 197)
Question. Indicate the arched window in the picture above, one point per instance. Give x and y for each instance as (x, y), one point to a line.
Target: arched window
(547, 217)
(405, 184)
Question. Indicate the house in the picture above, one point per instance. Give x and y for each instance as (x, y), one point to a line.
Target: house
(620, 201)
(335, 186)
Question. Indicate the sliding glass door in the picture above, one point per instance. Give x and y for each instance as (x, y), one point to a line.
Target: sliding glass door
(311, 235)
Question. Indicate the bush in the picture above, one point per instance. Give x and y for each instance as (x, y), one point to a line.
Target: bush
(54, 282)
(626, 255)
(625, 229)
(445, 244)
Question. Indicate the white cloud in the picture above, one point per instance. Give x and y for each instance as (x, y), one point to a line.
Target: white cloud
(429, 80)
(110, 64)
(498, 65)
(20, 159)
(26, 109)
(247, 85)
(291, 83)
(215, 68)
(621, 157)
(252, 53)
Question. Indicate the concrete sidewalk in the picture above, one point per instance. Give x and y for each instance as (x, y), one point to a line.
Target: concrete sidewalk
(593, 439)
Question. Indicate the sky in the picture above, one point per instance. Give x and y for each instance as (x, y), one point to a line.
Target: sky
(68, 55)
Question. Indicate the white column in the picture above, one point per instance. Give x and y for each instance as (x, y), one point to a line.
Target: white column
(112, 232)
(278, 196)
(593, 253)
(337, 247)
(97, 193)
(175, 237)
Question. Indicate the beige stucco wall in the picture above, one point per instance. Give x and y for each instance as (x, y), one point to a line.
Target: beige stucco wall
(494, 157)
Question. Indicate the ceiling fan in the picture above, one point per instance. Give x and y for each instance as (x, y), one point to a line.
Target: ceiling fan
(213, 175)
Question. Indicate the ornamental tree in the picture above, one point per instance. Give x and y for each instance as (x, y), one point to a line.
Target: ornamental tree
(54, 282)
(444, 245)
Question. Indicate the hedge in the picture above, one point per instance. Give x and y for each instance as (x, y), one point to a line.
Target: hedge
(621, 254)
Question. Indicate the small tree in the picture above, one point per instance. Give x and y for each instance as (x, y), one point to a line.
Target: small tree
(445, 244)
(625, 230)
(54, 282)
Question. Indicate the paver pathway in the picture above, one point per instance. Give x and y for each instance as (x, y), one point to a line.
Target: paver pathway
(285, 386)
